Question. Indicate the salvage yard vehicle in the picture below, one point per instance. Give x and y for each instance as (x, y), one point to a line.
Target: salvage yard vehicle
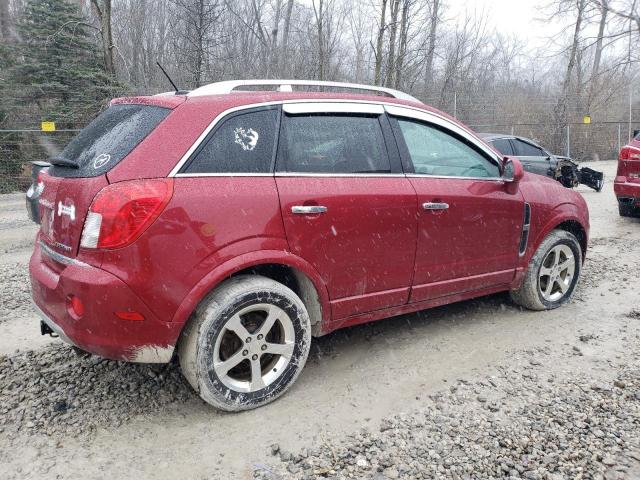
(536, 159)
(229, 227)
(626, 185)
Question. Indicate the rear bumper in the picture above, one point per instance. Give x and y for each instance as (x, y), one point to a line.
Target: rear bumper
(627, 191)
(99, 330)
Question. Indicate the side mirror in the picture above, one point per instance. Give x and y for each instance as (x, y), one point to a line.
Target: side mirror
(636, 133)
(512, 173)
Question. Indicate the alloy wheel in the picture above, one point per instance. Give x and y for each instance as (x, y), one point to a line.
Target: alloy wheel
(254, 347)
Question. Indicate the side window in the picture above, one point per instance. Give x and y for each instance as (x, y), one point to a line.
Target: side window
(435, 152)
(503, 145)
(525, 149)
(243, 143)
(330, 143)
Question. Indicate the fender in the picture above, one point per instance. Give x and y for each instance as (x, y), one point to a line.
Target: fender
(246, 260)
(559, 214)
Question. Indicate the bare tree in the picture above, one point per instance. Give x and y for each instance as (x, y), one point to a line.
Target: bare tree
(434, 20)
(103, 12)
(382, 26)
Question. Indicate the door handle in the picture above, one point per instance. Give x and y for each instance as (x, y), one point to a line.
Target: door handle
(308, 209)
(435, 206)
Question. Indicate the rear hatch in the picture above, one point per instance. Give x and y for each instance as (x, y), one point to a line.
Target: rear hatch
(79, 172)
(629, 161)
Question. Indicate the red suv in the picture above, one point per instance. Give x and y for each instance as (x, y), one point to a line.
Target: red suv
(627, 183)
(230, 227)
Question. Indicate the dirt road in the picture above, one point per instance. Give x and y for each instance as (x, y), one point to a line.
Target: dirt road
(63, 416)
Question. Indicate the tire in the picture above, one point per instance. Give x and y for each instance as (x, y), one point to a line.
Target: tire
(625, 210)
(548, 265)
(233, 373)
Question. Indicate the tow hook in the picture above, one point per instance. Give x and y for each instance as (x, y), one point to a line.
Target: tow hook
(46, 330)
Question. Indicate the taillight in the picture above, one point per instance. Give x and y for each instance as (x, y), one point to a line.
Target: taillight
(120, 212)
(40, 183)
(629, 153)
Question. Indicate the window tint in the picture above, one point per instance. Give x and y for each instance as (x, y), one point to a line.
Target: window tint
(527, 150)
(434, 152)
(109, 138)
(503, 145)
(332, 144)
(242, 144)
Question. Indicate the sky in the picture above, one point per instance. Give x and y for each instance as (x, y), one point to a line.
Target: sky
(524, 18)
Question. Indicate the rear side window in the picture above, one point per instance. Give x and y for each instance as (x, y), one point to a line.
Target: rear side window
(243, 143)
(109, 138)
(332, 144)
(503, 145)
(525, 149)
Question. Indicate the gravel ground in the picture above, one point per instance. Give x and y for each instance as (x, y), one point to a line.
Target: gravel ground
(523, 422)
(55, 391)
(14, 291)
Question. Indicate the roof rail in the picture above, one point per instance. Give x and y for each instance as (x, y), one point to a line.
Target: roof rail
(287, 86)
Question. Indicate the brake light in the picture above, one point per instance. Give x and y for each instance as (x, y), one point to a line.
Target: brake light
(629, 153)
(120, 212)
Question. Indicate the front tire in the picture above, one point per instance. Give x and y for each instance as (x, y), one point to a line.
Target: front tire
(246, 344)
(552, 274)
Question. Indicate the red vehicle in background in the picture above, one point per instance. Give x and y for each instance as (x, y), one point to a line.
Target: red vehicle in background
(627, 183)
(228, 228)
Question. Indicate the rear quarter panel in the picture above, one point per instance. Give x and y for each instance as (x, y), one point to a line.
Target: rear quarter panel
(208, 221)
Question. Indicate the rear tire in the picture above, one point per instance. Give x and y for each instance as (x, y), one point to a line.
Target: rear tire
(246, 344)
(626, 210)
(552, 274)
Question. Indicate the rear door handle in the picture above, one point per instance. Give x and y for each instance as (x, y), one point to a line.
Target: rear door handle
(435, 206)
(308, 209)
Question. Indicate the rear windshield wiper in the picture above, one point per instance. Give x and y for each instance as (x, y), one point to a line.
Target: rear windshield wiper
(63, 162)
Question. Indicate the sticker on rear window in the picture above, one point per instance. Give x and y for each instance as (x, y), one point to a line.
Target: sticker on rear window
(101, 160)
(246, 138)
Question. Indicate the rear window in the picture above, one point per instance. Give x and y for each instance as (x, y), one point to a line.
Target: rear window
(109, 138)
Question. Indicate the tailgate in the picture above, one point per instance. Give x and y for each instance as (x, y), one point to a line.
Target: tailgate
(64, 203)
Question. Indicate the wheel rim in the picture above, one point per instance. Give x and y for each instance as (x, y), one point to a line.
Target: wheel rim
(254, 348)
(556, 273)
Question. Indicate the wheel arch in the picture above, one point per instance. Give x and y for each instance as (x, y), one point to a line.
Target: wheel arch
(565, 217)
(280, 266)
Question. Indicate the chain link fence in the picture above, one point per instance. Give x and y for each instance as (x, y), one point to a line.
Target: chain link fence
(19, 147)
(597, 141)
(582, 142)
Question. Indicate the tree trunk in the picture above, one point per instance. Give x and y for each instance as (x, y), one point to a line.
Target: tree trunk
(103, 11)
(285, 35)
(4, 20)
(574, 48)
(402, 52)
(379, 42)
(431, 48)
(319, 12)
(595, 71)
(273, 67)
(395, 6)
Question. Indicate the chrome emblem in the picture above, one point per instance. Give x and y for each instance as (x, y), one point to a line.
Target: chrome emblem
(69, 210)
(101, 160)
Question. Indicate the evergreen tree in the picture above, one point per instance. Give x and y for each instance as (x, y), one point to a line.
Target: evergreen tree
(60, 67)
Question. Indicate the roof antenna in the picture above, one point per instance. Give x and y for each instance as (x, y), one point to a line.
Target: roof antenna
(178, 91)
